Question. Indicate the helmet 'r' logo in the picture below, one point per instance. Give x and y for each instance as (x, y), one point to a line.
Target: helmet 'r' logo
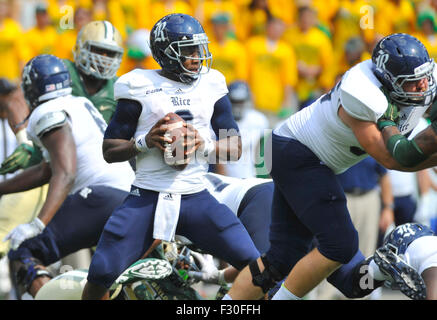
(381, 59)
(406, 230)
(159, 31)
(26, 74)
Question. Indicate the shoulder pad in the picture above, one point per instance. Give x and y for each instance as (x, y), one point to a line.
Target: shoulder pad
(49, 121)
(217, 82)
(360, 94)
(131, 85)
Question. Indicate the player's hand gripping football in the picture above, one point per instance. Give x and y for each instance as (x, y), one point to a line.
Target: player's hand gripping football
(155, 138)
(193, 142)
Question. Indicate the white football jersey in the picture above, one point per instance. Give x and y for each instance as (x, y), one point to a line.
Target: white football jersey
(88, 127)
(230, 190)
(252, 126)
(158, 96)
(421, 254)
(320, 129)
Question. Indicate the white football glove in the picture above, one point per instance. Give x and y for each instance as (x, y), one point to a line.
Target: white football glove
(208, 272)
(23, 232)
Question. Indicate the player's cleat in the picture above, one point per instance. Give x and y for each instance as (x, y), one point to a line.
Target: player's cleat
(403, 276)
(148, 269)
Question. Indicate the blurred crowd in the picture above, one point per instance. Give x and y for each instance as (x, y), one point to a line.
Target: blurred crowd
(290, 52)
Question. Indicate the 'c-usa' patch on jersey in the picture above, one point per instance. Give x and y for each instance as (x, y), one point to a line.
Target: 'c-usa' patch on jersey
(135, 85)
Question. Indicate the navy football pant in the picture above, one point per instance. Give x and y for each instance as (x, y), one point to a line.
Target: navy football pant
(308, 202)
(77, 225)
(128, 234)
(254, 213)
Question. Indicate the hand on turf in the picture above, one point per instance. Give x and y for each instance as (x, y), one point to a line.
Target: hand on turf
(208, 272)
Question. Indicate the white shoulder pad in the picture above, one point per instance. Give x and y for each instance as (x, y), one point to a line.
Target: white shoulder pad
(49, 121)
(217, 82)
(360, 94)
(133, 84)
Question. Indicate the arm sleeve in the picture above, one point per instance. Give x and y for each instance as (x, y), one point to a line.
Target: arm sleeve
(404, 151)
(124, 121)
(222, 117)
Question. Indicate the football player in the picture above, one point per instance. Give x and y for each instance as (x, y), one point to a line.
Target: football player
(408, 152)
(97, 53)
(83, 188)
(165, 200)
(97, 58)
(408, 246)
(249, 199)
(320, 141)
(22, 206)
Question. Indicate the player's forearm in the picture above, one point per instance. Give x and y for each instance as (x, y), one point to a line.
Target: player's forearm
(17, 111)
(410, 155)
(28, 179)
(118, 150)
(60, 185)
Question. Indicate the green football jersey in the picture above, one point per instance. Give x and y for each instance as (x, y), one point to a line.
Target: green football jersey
(103, 100)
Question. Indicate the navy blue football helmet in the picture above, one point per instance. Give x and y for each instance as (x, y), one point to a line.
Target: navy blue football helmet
(45, 77)
(176, 38)
(400, 238)
(399, 58)
(241, 98)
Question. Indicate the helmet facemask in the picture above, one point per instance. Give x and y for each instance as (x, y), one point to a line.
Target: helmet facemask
(93, 61)
(191, 49)
(402, 97)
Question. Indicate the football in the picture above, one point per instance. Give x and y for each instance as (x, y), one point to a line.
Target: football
(174, 152)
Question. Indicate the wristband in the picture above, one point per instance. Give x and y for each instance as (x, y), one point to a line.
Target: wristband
(389, 206)
(141, 144)
(22, 137)
(384, 124)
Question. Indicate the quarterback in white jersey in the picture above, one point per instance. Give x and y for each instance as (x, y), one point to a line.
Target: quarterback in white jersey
(83, 188)
(159, 96)
(312, 146)
(166, 200)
